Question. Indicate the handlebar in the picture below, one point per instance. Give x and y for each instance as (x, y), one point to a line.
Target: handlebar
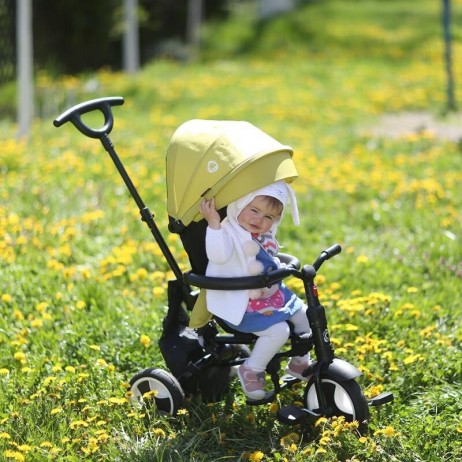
(327, 254)
(74, 115)
(240, 283)
(291, 268)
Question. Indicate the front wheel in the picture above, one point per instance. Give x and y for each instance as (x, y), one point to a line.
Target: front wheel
(159, 389)
(343, 398)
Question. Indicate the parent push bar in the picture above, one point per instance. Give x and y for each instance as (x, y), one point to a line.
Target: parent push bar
(104, 105)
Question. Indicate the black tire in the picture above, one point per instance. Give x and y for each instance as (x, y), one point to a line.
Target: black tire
(343, 398)
(167, 395)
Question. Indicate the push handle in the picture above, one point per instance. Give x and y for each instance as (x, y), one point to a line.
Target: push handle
(74, 115)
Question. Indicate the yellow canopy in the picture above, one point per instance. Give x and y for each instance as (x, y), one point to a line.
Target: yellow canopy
(221, 159)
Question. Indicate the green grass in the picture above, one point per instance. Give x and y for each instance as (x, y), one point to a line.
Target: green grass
(81, 280)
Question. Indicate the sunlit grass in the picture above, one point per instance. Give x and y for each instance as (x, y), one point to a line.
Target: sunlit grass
(83, 285)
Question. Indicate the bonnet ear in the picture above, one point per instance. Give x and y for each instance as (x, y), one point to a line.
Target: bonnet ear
(293, 204)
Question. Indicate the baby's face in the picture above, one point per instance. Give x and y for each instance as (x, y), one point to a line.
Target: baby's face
(259, 216)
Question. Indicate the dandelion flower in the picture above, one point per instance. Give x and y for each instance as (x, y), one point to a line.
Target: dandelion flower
(159, 433)
(7, 298)
(15, 455)
(158, 291)
(388, 432)
(46, 444)
(41, 307)
(145, 340)
(77, 424)
(20, 357)
(115, 400)
(256, 456)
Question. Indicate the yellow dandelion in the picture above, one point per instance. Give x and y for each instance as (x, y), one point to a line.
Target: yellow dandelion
(158, 291)
(251, 418)
(115, 400)
(103, 437)
(320, 421)
(274, 407)
(6, 298)
(24, 448)
(325, 440)
(256, 456)
(15, 455)
(41, 307)
(145, 340)
(362, 259)
(20, 357)
(36, 323)
(78, 424)
(56, 410)
(388, 432)
(150, 394)
(80, 305)
(46, 444)
(412, 359)
(159, 433)
(4, 371)
(18, 316)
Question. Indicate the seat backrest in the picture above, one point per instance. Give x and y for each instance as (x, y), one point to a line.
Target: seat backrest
(193, 239)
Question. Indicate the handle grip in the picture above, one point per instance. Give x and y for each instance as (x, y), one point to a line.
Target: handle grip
(74, 115)
(332, 251)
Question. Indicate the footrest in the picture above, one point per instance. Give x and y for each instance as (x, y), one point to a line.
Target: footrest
(383, 398)
(269, 398)
(291, 415)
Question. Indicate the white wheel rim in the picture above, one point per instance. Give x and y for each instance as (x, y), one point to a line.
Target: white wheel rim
(162, 392)
(341, 398)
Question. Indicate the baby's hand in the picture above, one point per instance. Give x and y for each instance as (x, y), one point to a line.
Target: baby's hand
(209, 212)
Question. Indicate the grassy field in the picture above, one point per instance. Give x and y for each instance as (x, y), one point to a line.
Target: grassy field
(83, 286)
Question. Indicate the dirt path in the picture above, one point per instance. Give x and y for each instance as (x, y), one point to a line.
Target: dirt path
(398, 125)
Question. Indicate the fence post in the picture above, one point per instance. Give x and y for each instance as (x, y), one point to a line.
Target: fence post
(131, 59)
(24, 58)
(451, 100)
(195, 12)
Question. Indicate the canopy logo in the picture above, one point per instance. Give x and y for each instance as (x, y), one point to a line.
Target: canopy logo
(212, 166)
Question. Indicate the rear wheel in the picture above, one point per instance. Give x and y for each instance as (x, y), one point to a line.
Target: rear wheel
(342, 398)
(159, 389)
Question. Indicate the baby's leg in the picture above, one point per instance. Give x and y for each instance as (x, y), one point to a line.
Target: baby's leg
(301, 326)
(269, 343)
(300, 321)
